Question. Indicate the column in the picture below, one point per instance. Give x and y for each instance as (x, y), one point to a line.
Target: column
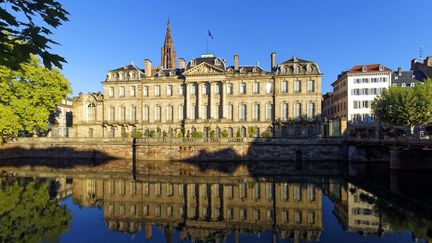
(223, 104)
(187, 101)
(211, 100)
(199, 100)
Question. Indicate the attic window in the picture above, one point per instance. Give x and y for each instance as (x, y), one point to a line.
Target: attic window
(364, 69)
(217, 61)
(242, 70)
(255, 70)
(412, 84)
(296, 70)
(284, 70)
(172, 73)
(192, 63)
(133, 75)
(311, 69)
(230, 70)
(381, 68)
(396, 77)
(160, 74)
(403, 84)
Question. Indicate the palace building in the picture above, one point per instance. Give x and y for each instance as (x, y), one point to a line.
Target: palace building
(203, 97)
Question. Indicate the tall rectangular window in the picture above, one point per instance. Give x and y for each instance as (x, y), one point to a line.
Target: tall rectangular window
(242, 88)
(229, 88)
(146, 91)
(205, 89)
(243, 112)
(157, 90)
(310, 110)
(169, 90)
(255, 88)
(181, 114)
(297, 110)
(269, 112)
(111, 92)
(256, 112)
(311, 86)
(297, 86)
(217, 88)
(284, 87)
(112, 114)
(269, 87)
(230, 112)
(193, 112)
(122, 113)
(284, 113)
(157, 113)
(133, 91)
(146, 113)
(170, 114)
(217, 111)
(133, 114)
(181, 89)
(193, 88)
(205, 111)
(122, 91)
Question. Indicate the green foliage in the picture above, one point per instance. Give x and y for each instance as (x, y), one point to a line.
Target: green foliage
(252, 131)
(266, 134)
(27, 32)
(152, 133)
(196, 134)
(238, 133)
(188, 134)
(28, 97)
(405, 106)
(29, 214)
(224, 133)
(212, 133)
(180, 134)
(137, 134)
(164, 134)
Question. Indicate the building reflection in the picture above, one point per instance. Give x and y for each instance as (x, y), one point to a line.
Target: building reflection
(205, 210)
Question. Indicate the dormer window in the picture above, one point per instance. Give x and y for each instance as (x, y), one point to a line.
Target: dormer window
(255, 70)
(412, 84)
(242, 70)
(403, 85)
(364, 69)
(311, 69)
(217, 62)
(284, 70)
(161, 73)
(172, 73)
(296, 70)
(381, 68)
(230, 70)
(133, 75)
(192, 63)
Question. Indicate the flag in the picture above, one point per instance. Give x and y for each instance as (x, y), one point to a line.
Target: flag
(209, 34)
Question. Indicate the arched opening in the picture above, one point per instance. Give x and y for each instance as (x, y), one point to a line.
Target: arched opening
(243, 132)
(91, 112)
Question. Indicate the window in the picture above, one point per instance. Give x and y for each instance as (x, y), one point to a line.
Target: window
(133, 91)
(112, 113)
(229, 213)
(181, 89)
(311, 192)
(205, 89)
(311, 217)
(146, 91)
(122, 91)
(256, 112)
(269, 191)
(111, 92)
(269, 113)
(374, 80)
(157, 113)
(270, 215)
(169, 90)
(256, 191)
(297, 110)
(357, 81)
(297, 192)
(403, 85)
(122, 113)
(91, 112)
(133, 114)
(243, 112)
(284, 191)
(193, 89)
(205, 111)
(355, 91)
(170, 114)
(229, 88)
(284, 87)
(256, 214)
(217, 111)
(255, 89)
(311, 86)
(193, 113)
(297, 86)
(296, 70)
(285, 216)
(365, 91)
(284, 113)
(373, 91)
(230, 112)
(181, 114)
(269, 87)
(146, 113)
(243, 214)
(157, 90)
(243, 88)
(243, 192)
(311, 110)
(365, 80)
(217, 88)
(365, 104)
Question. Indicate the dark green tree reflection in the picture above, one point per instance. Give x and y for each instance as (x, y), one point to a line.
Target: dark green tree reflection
(28, 213)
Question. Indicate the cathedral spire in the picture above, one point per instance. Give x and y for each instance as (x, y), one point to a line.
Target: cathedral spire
(168, 55)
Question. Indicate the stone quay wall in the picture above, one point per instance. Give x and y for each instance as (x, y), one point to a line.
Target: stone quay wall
(177, 149)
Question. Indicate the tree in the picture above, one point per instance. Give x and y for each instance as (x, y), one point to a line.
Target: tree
(29, 214)
(23, 35)
(28, 97)
(405, 106)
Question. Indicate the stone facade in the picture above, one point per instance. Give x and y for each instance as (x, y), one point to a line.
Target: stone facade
(203, 97)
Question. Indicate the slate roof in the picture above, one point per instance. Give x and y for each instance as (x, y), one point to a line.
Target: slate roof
(369, 68)
(407, 77)
(248, 69)
(127, 68)
(207, 59)
(296, 60)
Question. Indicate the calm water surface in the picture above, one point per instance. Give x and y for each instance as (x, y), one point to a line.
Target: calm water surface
(75, 207)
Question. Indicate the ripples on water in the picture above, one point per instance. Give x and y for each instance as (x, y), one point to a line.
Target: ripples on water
(67, 205)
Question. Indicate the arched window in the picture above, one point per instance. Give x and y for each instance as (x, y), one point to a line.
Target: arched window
(91, 112)
(242, 70)
(230, 132)
(243, 132)
(192, 63)
(284, 70)
(296, 70)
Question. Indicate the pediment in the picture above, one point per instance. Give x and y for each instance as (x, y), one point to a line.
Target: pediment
(204, 69)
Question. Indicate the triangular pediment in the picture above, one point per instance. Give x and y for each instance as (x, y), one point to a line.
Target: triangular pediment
(204, 69)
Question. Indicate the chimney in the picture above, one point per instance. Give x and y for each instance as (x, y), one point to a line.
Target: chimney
(399, 71)
(236, 59)
(148, 68)
(428, 61)
(273, 61)
(182, 64)
(413, 62)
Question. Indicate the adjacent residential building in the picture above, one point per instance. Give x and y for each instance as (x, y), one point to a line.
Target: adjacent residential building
(61, 120)
(354, 91)
(407, 79)
(424, 67)
(203, 96)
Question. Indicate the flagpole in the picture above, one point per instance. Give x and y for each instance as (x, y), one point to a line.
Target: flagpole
(207, 44)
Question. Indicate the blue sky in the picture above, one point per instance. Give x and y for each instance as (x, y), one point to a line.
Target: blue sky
(107, 34)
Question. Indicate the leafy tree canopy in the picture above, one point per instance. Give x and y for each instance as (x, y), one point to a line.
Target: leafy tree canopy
(405, 106)
(25, 26)
(29, 214)
(28, 97)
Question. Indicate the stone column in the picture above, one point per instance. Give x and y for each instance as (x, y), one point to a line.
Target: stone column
(223, 103)
(199, 100)
(187, 101)
(211, 100)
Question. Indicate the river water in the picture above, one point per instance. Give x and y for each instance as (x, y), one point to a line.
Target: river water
(66, 205)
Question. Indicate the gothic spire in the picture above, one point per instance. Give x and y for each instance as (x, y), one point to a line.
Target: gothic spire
(168, 55)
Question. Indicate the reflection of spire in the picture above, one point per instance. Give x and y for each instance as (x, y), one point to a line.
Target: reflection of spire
(168, 55)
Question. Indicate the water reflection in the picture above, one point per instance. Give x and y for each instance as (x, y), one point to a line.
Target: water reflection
(220, 209)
